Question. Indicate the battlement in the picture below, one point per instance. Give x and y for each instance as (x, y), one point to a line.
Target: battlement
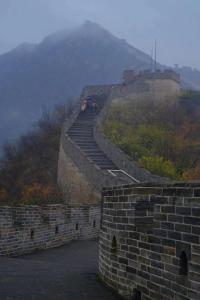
(131, 76)
(25, 229)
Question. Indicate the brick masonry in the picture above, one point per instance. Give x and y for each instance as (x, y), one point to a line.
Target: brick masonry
(150, 241)
(25, 229)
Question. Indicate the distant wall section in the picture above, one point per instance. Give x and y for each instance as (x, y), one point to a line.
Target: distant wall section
(162, 88)
(25, 229)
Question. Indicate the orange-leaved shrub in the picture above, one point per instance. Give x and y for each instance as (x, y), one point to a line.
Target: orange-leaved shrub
(28, 169)
(39, 194)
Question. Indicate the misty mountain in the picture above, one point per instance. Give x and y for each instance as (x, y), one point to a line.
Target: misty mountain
(190, 77)
(36, 76)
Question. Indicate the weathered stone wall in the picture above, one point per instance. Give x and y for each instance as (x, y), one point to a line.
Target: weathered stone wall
(25, 229)
(163, 88)
(158, 74)
(79, 178)
(74, 184)
(73, 161)
(150, 241)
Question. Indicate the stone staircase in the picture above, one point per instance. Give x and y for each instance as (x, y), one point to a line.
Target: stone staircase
(81, 133)
(88, 161)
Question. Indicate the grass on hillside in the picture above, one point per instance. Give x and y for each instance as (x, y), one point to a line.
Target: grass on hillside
(163, 136)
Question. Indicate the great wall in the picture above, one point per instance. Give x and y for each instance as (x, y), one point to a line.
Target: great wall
(149, 227)
(87, 158)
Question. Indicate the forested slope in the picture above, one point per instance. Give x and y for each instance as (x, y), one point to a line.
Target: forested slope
(163, 137)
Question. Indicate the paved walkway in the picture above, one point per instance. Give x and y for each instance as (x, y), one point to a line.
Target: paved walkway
(65, 273)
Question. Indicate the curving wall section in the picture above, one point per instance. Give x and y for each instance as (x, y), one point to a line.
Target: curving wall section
(86, 173)
(150, 241)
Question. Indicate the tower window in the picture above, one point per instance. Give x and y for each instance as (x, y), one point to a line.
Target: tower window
(137, 295)
(32, 234)
(56, 229)
(183, 264)
(114, 245)
(94, 223)
(77, 226)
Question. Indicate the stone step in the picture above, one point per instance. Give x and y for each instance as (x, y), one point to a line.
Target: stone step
(97, 155)
(85, 147)
(102, 161)
(79, 133)
(81, 127)
(83, 140)
(88, 152)
(89, 118)
(75, 133)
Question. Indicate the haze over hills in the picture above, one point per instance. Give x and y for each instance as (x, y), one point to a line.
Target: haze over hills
(34, 76)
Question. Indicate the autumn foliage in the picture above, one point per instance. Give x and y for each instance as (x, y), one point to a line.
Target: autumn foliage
(164, 137)
(28, 170)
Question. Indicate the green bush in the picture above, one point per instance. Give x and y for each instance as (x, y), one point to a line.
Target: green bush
(158, 165)
(162, 136)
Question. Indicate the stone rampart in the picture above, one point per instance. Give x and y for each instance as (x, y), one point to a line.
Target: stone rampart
(78, 177)
(167, 74)
(150, 241)
(25, 229)
(85, 172)
(74, 183)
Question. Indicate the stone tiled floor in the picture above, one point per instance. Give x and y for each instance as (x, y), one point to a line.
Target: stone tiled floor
(65, 273)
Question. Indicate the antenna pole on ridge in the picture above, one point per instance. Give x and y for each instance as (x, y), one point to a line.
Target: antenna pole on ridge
(155, 56)
(152, 59)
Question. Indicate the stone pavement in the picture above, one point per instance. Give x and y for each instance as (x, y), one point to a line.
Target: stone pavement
(65, 273)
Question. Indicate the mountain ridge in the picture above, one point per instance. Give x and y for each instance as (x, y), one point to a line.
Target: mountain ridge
(36, 75)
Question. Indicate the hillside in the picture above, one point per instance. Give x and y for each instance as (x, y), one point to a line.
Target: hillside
(162, 136)
(28, 171)
(190, 77)
(34, 76)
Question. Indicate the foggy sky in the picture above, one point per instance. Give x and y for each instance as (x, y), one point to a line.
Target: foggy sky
(174, 23)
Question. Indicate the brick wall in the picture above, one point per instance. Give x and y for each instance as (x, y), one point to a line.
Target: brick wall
(25, 229)
(150, 241)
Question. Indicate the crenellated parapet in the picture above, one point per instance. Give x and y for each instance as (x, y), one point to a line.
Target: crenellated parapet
(25, 229)
(165, 75)
(131, 76)
(161, 84)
